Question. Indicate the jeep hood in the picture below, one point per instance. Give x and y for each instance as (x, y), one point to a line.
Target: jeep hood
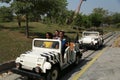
(32, 58)
(88, 39)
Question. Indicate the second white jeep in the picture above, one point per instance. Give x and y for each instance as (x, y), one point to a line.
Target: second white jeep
(91, 39)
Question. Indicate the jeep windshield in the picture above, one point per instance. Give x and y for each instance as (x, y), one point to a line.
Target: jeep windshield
(46, 44)
(90, 34)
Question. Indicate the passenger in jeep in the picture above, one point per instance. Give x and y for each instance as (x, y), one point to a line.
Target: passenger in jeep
(64, 43)
(48, 44)
(56, 34)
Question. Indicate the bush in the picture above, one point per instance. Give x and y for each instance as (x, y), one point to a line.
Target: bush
(118, 25)
(6, 14)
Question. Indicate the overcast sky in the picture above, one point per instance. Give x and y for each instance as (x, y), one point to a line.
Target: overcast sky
(89, 5)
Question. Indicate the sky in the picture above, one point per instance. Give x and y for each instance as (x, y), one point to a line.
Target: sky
(88, 5)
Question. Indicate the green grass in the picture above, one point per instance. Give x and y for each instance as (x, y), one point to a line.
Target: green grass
(12, 44)
(111, 29)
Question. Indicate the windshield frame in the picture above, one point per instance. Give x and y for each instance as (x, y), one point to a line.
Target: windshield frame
(36, 46)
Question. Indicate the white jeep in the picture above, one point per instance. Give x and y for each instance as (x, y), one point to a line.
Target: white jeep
(91, 39)
(47, 62)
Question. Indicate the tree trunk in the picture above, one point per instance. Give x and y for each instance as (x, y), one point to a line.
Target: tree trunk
(19, 20)
(27, 28)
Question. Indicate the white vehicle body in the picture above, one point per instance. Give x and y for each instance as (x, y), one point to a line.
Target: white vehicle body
(43, 60)
(91, 39)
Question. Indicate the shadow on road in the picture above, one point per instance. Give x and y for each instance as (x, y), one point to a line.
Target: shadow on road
(67, 73)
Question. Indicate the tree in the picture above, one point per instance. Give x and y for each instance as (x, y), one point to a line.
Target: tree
(52, 8)
(100, 11)
(116, 18)
(96, 19)
(97, 16)
(78, 20)
(5, 14)
(6, 1)
(108, 20)
(57, 11)
(69, 18)
(22, 7)
(82, 21)
(86, 21)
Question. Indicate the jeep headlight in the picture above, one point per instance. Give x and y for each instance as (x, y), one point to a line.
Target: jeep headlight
(39, 59)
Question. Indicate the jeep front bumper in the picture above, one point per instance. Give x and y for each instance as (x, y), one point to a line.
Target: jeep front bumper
(27, 73)
(88, 45)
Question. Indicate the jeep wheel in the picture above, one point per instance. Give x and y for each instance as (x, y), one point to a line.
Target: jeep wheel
(97, 47)
(53, 74)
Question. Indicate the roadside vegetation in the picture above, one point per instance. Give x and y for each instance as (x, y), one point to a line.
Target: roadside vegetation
(116, 42)
(24, 20)
(12, 44)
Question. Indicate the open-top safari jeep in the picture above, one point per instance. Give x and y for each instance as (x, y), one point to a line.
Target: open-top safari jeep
(47, 62)
(91, 39)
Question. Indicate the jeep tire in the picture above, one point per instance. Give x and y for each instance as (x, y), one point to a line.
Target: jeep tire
(78, 57)
(52, 74)
(96, 46)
